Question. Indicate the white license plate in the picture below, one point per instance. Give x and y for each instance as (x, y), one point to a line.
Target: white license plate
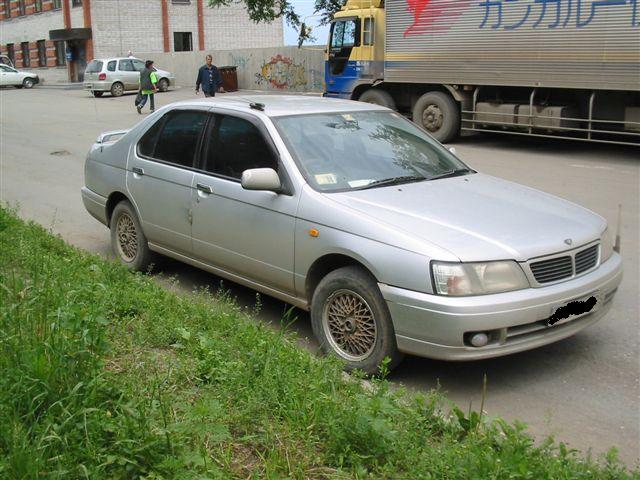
(574, 309)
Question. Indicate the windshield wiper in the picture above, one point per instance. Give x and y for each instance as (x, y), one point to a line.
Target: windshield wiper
(452, 173)
(392, 181)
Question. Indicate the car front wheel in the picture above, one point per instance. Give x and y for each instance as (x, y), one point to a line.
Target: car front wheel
(163, 85)
(127, 238)
(28, 83)
(351, 320)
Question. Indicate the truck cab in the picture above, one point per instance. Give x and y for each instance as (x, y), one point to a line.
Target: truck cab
(355, 54)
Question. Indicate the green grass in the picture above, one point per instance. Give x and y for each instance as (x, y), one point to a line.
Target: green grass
(105, 374)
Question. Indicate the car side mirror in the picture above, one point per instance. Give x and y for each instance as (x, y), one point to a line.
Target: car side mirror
(261, 179)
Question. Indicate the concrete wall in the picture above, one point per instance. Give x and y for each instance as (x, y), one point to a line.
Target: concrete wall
(136, 25)
(278, 69)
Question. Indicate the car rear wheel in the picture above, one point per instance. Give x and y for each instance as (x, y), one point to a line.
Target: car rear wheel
(97, 94)
(127, 238)
(351, 320)
(28, 83)
(163, 85)
(117, 89)
(438, 114)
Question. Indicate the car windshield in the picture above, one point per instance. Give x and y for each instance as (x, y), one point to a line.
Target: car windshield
(94, 67)
(359, 150)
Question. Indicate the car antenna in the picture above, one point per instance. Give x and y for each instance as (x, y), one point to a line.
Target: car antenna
(257, 106)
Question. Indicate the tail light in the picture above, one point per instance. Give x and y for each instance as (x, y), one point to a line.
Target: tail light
(102, 76)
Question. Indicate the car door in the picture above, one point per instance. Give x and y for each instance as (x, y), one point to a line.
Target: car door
(160, 176)
(10, 76)
(248, 233)
(130, 77)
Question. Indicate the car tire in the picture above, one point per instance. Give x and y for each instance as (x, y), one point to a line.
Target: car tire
(28, 83)
(378, 97)
(117, 89)
(97, 94)
(163, 85)
(438, 114)
(362, 342)
(127, 238)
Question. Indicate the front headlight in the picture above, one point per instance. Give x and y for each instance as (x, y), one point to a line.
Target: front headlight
(461, 279)
(606, 245)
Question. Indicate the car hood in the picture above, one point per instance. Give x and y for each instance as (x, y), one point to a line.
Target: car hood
(478, 217)
(163, 73)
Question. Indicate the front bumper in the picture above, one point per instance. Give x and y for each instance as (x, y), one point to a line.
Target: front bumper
(434, 326)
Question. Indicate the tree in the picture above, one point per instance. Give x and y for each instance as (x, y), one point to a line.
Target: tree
(270, 10)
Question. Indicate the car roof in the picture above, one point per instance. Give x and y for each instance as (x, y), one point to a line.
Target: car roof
(284, 105)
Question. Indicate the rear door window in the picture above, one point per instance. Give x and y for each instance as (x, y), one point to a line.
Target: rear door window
(94, 66)
(174, 139)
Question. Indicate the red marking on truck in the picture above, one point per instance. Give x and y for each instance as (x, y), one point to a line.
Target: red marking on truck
(431, 16)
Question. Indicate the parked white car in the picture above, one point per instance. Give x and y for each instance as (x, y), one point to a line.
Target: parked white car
(118, 75)
(9, 76)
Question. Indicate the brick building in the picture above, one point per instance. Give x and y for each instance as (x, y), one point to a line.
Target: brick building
(56, 38)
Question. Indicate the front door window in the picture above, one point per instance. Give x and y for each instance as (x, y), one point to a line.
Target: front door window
(345, 34)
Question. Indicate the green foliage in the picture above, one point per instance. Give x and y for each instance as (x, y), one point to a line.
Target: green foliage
(270, 10)
(105, 374)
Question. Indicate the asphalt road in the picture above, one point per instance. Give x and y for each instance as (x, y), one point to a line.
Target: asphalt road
(584, 390)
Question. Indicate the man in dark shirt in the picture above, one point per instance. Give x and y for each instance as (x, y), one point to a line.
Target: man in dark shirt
(209, 78)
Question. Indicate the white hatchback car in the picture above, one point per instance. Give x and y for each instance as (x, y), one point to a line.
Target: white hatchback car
(9, 76)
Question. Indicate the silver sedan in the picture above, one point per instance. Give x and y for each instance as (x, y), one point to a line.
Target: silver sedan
(350, 211)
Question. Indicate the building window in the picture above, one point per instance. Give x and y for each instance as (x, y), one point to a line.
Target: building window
(11, 53)
(7, 8)
(77, 3)
(57, 4)
(21, 7)
(26, 58)
(38, 6)
(181, 2)
(61, 58)
(42, 53)
(182, 42)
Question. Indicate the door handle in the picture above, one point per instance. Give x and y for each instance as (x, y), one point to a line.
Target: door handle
(137, 170)
(204, 188)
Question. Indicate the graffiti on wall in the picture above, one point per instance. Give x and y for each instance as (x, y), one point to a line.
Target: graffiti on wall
(282, 73)
(239, 61)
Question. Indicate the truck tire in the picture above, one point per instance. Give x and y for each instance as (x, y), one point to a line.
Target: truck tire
(438, 114)
(378, 97)
(351, 320)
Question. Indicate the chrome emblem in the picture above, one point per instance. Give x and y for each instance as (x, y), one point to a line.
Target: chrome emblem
(568, 241)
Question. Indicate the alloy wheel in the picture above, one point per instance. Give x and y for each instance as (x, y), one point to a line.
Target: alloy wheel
(127, 238)
(349, 325)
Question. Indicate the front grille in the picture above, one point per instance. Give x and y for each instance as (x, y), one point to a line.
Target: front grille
(567, 266)
(586, 259)
(552, 270)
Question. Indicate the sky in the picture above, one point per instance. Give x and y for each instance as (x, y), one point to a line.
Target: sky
(305, 8)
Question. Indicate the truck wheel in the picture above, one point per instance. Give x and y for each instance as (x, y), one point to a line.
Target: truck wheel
(127, 238)
(439, 115)
(117, 89)
(351, 320)
(378, 97)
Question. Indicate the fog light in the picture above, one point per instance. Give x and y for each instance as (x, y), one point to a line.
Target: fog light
(479, 339)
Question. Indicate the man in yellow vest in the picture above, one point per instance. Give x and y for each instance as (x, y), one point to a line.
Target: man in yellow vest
(148, 82)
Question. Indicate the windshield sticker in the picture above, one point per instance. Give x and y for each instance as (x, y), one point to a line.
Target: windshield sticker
(326, 179)
(359, 183)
